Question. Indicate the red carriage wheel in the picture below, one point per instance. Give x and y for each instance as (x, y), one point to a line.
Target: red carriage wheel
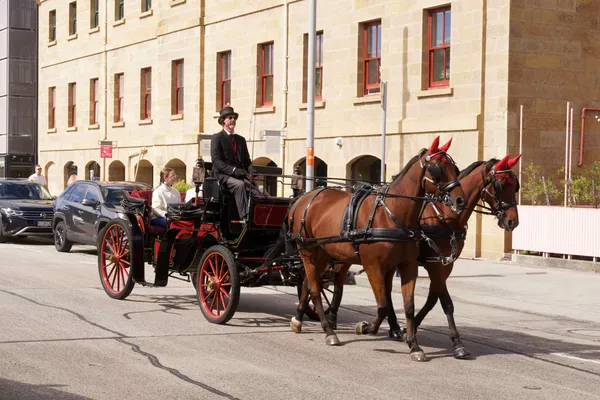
(114, 259)
(218, 284)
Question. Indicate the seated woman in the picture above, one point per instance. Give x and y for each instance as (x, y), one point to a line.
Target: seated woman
(164, 195)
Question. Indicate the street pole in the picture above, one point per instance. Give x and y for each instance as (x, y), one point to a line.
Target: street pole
(383, 127)
(310, 107)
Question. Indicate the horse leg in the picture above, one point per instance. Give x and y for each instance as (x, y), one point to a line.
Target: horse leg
(338, 291)
(395, 332)
(378, 285)
(459, 350)
(432, 298)
(296, 322)
(409, 276)
(313, 273)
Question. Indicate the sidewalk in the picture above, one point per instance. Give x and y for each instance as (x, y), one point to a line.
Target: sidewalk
(548, 291)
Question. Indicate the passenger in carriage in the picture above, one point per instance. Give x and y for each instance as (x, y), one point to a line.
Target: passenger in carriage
(164, 195)
(231, 160)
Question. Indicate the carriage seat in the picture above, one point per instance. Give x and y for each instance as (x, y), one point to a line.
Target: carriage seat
(146, 195)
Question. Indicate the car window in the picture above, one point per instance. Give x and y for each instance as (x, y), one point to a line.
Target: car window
(78, 193)
(23, 191)
(92, 194)
(113, 195)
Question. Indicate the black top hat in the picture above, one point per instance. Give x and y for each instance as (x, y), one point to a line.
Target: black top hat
(225, 112)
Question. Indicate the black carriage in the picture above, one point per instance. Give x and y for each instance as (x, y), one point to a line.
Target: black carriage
(205, 242)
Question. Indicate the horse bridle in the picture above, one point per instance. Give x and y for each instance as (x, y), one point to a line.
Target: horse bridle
(500, 207)
(436, 173)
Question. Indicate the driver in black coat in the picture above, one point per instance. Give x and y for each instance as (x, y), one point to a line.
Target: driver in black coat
(231, 161)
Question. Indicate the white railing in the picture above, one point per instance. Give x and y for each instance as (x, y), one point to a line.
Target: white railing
(558, 230)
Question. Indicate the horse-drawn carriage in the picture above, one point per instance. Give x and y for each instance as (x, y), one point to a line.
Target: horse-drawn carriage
(205, 242)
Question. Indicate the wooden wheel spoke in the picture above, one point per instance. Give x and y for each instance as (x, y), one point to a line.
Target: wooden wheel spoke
(323, 295)
(214, 296)
(226, 284)
(126, 262)
(126, 253)
(213, 267)
(112, 271)
(225, 275)
(223, 301)
(224, 292)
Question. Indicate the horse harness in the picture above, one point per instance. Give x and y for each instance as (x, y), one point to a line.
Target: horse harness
(501, 206)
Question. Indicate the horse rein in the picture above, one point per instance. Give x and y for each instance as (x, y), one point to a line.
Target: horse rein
(499, 210)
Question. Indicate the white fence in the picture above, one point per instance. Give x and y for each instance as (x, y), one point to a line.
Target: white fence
(558, 230)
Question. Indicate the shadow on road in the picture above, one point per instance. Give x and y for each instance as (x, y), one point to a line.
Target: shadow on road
(18, 390)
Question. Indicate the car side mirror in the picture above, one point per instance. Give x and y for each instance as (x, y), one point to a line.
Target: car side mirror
(90, 202)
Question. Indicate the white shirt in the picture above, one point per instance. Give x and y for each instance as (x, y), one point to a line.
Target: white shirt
(191, 194)
(38, 178)
(162, 196)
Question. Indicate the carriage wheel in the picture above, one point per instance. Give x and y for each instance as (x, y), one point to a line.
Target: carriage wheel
(114, 260)
(218, 285)
(327, 296)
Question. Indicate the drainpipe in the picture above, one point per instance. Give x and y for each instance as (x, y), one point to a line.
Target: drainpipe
(583, 111)
(284, 93)
(105, 83)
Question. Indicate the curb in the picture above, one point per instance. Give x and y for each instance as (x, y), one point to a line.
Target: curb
(549, 262)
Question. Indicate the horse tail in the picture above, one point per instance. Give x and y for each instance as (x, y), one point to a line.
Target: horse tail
(282, 245)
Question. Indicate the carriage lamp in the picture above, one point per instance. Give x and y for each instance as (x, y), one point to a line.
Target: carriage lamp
(199, 173)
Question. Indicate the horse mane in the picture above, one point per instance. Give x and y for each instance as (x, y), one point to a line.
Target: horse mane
(475, 165)
(408, 165)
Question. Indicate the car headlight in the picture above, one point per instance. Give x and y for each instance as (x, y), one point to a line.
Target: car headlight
(12, 213)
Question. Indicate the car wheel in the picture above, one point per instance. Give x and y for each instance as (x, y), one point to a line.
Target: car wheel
(2, 237)
(61, 242)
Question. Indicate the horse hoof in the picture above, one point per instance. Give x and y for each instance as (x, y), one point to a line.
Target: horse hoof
(362, 328)
(461, 353)
(296, 325)
(397, 335)
(332, 340)
(418, 356)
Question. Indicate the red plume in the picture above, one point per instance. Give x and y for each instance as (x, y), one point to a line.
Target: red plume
(446, 146)
(434, 146)
(512, 162)
(502, 165)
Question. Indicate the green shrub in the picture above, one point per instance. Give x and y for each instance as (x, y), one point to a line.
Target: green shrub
(182, 186)
(533, 187)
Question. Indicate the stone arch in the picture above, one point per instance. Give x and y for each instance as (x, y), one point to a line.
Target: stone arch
(269, 185)
(92, 171)
(320, 170)
(52, 177)
(116, 171)
(69, 169)
(365, 168)
(178, 166)
(144, 172)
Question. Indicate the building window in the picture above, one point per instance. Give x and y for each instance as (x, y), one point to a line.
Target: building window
(266, 74)
(223, 79)
(94, 14)
(52, 26)
(119, 10)
(94, 101)
(318, 68)
(72, 18)
(119, 97)
(177, 87)
(371, 35)
(146, 5)
(72, 104)
(146, 85)
(52, 108)
(439, 47)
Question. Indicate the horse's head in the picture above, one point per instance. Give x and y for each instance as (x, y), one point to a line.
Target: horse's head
(439, 176)
(500, 189)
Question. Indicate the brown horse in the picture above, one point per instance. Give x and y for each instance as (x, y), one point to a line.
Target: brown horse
(493, 182)
(387, 217)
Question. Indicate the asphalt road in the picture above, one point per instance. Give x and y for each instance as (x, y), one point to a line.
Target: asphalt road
(534, 334)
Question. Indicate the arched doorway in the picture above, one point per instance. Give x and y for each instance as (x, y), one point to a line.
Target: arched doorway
(116, 171)
(269, 185)
(320, 171)
(92, 171)
(179, 167)
(365, 169)
(144, 172)
(69, 169)
(52, 181)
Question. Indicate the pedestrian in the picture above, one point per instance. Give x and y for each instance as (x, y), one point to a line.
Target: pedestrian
(164, 195)
(38, 177)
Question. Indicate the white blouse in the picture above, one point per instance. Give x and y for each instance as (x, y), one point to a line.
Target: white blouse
(162, 196)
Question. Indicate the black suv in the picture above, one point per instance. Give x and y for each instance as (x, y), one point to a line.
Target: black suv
(25, 209)
(82, 210)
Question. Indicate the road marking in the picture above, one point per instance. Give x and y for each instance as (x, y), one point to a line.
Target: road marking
(565, 355)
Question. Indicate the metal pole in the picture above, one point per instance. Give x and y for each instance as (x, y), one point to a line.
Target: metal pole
(566, 153)
(383, 128)
(571, 146)
(310, 107)
(520, 149)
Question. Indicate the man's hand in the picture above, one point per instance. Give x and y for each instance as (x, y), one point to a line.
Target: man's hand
(240, 173)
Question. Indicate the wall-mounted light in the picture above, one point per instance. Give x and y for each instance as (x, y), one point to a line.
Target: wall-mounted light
(338, 141)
